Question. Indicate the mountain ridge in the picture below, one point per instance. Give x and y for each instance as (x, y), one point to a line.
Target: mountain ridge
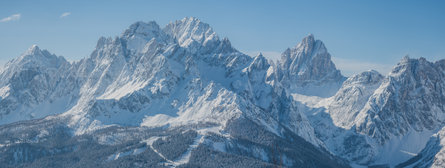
(184, 78)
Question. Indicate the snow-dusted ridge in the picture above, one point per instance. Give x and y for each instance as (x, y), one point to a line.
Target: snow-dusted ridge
(388, 119)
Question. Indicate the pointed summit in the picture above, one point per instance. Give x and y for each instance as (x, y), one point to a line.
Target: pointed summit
(190, 19)
(150, 29)
(308, 69)
(411, 66)
(405, 59)
(34, 47)
(310, 36)
(366, 77)
(259, 63)
(33, 58)
(309, 60)
(140, 33)
(191, 30)
(32, 50)
(260, 55)
(307, 43)
(38, 57)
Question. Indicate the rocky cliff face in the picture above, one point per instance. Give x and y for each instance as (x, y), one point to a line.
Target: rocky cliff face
(352, 97)
(410, 98)
(394, 115)
(35, 85)
(308, 69)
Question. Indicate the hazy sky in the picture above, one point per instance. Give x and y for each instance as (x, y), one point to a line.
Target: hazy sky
(359, 35)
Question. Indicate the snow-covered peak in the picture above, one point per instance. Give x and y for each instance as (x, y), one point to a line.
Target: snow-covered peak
(33, 79)
(225, 46)
(367, 77)
(308, 43)
(108, 49)
(191, 31)
(304, 52)
(308, 69)
(408, 62)
(409, 67)
(309, 60)
(352, 97)
(142, 28)
(140, 33)
(35, 57)
(259, 63)
(32, 50)
(409, 99)
(405, 59)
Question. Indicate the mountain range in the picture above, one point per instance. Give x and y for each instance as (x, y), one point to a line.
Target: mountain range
(181, 96)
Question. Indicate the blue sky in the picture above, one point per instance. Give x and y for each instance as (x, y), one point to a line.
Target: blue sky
(360, 35)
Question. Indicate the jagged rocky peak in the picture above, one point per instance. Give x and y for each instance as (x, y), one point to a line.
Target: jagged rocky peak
(190, 33)
(35, 57)
(34, 49)
(259, 63)
(417, 73)
(302, 50)
(36, 52)
(352, 96)
(149, 29)
(366, 77)
(140, 33)
(191, 30)
(308, 43)
(108, 49)
(409, 99)
(413, 67)
(309, 60)
(134, 39)
(225, 46)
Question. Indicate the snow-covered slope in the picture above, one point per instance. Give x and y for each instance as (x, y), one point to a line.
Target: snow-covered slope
(352, 97)
(432, 155)
(332, 118)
